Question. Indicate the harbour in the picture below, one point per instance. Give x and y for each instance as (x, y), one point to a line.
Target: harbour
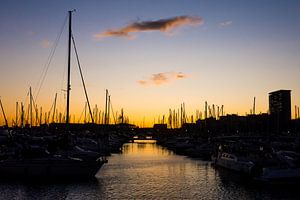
(145, 170)
(149, 101)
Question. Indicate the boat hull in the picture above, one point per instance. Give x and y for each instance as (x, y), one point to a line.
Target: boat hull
(49, 168)
(231, 162)
(287, 175)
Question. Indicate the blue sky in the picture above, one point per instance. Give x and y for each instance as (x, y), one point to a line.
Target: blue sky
(243, 49)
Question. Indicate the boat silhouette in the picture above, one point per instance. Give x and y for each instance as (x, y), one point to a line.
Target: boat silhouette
(56, 155)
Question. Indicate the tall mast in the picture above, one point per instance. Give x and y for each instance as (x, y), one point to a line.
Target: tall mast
(253, 110)
(6, 124)
(106, 104)
(30, 107)
(17, 107)
(205, 111)
(22, 115)
(108, 109)
(69, 67)
(53, 116)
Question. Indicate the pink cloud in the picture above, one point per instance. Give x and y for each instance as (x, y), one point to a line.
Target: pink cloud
(162, 25)
(162, 78)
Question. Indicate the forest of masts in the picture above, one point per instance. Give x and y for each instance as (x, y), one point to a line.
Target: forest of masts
(177, 117)
(31, 115)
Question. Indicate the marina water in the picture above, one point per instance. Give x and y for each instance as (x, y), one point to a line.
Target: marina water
(145, 170)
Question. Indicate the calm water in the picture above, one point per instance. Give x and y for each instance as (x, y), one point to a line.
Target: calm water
(147, 171)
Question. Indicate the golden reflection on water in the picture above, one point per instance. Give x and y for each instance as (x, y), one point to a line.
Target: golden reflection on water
(145, 148)
(147, 170)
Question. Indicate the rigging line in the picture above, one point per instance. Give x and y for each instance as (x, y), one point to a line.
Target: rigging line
(86, 95)
(25, 104)
(113, 112)
(81, 114)
(50, 57)
(52, 107)
(4, 116)
(17, 116)
(35, 107)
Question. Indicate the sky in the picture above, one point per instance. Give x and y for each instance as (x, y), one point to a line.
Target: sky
(151, 55)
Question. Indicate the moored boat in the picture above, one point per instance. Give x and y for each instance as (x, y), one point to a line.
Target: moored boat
(23, 154)
(50, 167)
(285, 169)
(233, 162)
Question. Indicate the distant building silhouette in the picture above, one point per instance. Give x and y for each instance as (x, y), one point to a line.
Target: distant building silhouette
(280, 110)
(160, 127)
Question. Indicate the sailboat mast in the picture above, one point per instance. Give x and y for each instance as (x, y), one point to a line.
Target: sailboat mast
(6, 124)
(22, 115)
(17, 107)
(106, 99)
(69, 68)
(30, 107)
(53, 116)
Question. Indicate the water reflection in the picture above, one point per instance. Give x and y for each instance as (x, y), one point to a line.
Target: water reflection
(144, 148)
(147, 171)
(55, 190)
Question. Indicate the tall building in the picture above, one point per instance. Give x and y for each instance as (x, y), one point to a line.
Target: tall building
(280, 110)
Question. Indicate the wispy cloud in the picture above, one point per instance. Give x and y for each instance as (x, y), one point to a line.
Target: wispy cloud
(142, 82)
(162, 25)
(45, 44)
(162, 78)
(159, 78)
(180, 75)
(225, 23)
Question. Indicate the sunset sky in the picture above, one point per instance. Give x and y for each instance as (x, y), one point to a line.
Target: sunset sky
(152, 55)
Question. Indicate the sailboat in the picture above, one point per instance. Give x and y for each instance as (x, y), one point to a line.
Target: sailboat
(58, 157)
